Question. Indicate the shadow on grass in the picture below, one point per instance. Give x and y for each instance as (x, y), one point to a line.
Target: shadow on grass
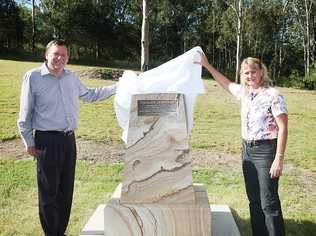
(300, 227)
(243, 224)
(292, 227)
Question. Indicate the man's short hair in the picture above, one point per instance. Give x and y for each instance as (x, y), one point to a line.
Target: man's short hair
(54, 42)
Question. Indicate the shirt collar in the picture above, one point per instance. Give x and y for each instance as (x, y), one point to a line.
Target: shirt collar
(256, 92)
(45, 71)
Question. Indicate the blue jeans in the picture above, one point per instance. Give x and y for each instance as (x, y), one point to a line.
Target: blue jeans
(262, 191)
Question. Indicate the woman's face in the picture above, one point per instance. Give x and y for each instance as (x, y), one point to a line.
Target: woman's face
(252, 76)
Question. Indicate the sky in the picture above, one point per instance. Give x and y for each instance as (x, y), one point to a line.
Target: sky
(26, 2)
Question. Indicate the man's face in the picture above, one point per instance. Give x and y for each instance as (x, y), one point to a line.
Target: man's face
(57, 58)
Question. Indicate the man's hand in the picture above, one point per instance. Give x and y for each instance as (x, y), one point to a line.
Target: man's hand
(32, 151)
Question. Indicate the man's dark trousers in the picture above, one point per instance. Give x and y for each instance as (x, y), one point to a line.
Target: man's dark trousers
(56, 164)
(262, 190)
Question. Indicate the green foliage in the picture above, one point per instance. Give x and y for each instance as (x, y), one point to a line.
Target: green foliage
(111, 30)
(296, 80)
(11, 26)
(310, 80)
(259, 28)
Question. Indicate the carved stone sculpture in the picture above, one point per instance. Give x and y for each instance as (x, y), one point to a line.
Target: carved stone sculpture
(157, 196)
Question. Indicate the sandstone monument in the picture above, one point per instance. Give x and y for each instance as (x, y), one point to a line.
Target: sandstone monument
(157, 195)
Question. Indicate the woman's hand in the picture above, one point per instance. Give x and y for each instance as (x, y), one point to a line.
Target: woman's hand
(276, 167)
(203, 60)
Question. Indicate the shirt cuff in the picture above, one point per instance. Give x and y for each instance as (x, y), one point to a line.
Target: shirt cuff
(29, 142)
(113, 88)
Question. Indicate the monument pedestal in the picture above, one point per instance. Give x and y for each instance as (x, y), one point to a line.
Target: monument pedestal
(156, 219)
(157, 196)
(222, 222)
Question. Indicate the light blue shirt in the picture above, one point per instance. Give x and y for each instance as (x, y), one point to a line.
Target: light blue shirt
(52, 103)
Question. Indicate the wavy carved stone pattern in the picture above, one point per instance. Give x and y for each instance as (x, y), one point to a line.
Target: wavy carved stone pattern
(159, 219)
(157, 196)
(157, 161)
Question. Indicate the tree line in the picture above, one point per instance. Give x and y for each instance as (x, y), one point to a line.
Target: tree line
(282, 33)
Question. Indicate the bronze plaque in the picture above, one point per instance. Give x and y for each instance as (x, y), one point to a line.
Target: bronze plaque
(156, 107)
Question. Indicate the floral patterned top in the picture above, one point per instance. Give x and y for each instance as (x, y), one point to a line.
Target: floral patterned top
(258, 112)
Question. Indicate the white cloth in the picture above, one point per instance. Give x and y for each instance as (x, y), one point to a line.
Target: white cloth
(179, 75)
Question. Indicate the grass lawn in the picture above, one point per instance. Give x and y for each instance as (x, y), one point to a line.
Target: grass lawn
(217, 122)
(217, 128)
(95, 183)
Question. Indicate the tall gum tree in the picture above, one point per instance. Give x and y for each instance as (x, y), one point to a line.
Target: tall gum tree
(303, 11)
(145, 37)
(237, 6)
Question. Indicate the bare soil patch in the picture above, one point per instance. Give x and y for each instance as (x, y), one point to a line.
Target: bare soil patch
(106, 74)
(113, 153)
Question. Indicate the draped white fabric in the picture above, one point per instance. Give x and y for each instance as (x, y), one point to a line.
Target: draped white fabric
(179, 75)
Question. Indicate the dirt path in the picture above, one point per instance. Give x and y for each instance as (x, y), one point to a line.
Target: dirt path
(111, 153)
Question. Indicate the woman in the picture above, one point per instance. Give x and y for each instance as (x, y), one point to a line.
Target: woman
(264, 132)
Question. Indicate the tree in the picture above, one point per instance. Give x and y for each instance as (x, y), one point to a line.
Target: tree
(33, 26)
(237, 6)
(11, 26)
(302, 10)
(280, 15)
(145, 37)
(280, 32)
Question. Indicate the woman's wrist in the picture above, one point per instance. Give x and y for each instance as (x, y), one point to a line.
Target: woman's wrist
(279, 156)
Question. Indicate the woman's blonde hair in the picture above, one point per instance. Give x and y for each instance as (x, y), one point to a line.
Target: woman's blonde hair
(254, 63)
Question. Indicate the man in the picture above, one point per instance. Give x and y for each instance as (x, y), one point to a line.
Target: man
(49, 109)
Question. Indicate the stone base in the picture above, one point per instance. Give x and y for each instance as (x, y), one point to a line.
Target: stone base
(158, 219)
(222, 222)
